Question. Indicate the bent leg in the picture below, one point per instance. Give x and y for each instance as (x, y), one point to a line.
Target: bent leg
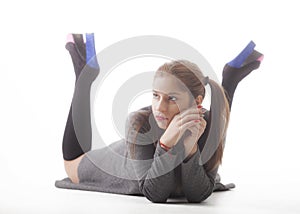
(71, 168)
(78, 132)
(237, 69)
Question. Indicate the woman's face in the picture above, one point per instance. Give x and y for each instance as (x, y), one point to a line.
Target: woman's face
(169, 99)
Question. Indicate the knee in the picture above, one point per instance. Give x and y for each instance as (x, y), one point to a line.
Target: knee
(71, 168)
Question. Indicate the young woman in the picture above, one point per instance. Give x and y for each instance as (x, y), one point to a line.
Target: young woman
(172, 148)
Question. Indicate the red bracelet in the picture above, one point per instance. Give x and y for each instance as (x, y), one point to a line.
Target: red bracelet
(164, 146)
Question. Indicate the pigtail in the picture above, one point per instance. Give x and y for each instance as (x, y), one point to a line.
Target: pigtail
(212, 153)
(136, 127)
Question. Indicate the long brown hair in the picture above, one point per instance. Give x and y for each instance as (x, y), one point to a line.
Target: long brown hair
(194, 80)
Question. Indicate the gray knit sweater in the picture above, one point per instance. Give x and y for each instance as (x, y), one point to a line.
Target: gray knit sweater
(152, 172)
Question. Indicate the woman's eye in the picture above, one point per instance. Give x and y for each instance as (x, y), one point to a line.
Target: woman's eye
(172, 98)
(155, 95)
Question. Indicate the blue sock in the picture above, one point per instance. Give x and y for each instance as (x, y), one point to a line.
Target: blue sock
(240, 67)
(238, 61)
(91, 57)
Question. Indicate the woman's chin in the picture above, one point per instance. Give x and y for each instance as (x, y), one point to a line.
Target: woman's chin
(161, 125)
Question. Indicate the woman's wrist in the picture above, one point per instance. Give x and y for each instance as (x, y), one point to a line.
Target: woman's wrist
(190, 152)
(166, 142)
(164, 146)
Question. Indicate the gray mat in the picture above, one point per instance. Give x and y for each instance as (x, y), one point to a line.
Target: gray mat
(67, 184)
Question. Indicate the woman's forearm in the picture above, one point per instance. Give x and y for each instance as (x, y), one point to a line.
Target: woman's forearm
(188, 152)
(156, 178)
(196, 183)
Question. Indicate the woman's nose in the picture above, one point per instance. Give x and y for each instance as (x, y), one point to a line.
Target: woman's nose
(162, 105)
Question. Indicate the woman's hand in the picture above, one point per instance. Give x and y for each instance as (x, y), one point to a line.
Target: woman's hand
(189, 119)
(193, 135)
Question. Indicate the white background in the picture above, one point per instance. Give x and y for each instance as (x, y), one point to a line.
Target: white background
(37, 81)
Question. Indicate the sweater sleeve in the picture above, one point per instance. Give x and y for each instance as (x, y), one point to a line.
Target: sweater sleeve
(153, 166)
(197, 184)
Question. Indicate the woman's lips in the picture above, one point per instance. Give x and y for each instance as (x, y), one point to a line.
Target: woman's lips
(160, 118)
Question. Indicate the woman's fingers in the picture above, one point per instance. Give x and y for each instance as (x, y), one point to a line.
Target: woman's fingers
(189, 124)
(181, 122)
(186, 112)
(202, 122)
(189, 118)
(190, 114)
(194, 124)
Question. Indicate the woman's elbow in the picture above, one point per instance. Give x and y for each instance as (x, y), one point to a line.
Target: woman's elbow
(195, 200)
(157, 199)
(199, 197)
(154, 193)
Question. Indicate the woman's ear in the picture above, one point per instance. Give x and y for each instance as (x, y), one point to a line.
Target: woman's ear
(199, 100)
